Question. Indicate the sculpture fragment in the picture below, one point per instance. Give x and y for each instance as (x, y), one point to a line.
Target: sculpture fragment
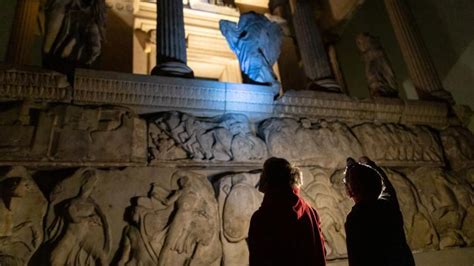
(224, 138)
(326, 143)
(77, 229)
(22, 207)
(75, 30)
(378, 71)
(458, 144)
(238, 199)
(399, 143)
(256, 41)
(449, 202)
(173, 227)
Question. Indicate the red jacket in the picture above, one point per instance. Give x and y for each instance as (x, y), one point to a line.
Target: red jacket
(285, 230)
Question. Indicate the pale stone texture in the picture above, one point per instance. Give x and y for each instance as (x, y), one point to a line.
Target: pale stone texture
(400, 145)
(224, 138)
(327, 143)
(71, 135)
(161, 208)
(458, 144)
(238, 199)
(22, 209)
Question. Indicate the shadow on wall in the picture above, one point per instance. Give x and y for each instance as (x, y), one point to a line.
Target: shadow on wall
(7, 13)
(446, 30)
(117, 51)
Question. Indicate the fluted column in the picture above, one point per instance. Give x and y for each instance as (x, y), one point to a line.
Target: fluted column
(170, 40)
(420, 66)
(22, 33)
(311, 46)
(336, 68)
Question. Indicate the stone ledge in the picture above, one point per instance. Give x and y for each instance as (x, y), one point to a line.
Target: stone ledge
(149, 94)
(30, 83)
(344, 108)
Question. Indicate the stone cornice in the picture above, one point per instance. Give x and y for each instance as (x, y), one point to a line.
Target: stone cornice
(147, 94)
(27, 83)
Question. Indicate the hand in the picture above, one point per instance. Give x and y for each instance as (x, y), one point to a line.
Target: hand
(367, 161)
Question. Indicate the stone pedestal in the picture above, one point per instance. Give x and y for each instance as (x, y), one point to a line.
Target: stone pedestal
(170, 39)
(311, 46)
(420, 66)
(22, 34)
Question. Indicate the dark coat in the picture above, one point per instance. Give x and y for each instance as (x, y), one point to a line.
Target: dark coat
(374, 231)
(285, 230)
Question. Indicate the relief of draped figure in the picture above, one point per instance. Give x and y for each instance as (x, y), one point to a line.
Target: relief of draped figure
(173, 225)
(77, 231)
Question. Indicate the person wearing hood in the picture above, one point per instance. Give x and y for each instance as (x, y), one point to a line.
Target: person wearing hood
(374, 227)
(285, 230)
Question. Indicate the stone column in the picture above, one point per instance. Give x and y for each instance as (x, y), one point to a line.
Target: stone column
(311, 46)
(22, 33)
(170, 41)
(336, 68)
(420, 66)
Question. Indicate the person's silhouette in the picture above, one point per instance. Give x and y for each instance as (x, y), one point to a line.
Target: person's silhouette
(374, 227)
(285, 229)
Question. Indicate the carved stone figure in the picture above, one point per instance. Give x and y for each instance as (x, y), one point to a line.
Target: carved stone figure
(256, 42)
(238, 199)
(22, 207)
(79, 233)
(177, 227)
(332, 206)
(75, 30)
(69, 133)
(458, 144)
(324, 143)
(449, 201)
(379, 72)
(419, 228)
(400, 144)
(223, 138)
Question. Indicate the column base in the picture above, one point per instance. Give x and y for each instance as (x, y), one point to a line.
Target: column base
(173, 69)
(327, 84)
(442, 95)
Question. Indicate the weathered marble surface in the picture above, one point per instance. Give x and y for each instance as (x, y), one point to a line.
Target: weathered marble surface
(175, 135)
(238, 199)
(458, 145)
(71, 135)
(256, 41)
(327, 143)
(170, 215)
(22, 208)
(74, 32)
(189, 200)
(394, 143)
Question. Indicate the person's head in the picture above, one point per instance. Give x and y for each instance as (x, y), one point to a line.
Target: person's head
(362, 181)
(279, 173)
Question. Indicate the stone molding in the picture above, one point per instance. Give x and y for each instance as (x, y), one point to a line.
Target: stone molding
(344, 108)
(147, 94)
(33, 84)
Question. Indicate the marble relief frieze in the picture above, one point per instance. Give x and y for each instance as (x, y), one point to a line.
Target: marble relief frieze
(173, 215)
